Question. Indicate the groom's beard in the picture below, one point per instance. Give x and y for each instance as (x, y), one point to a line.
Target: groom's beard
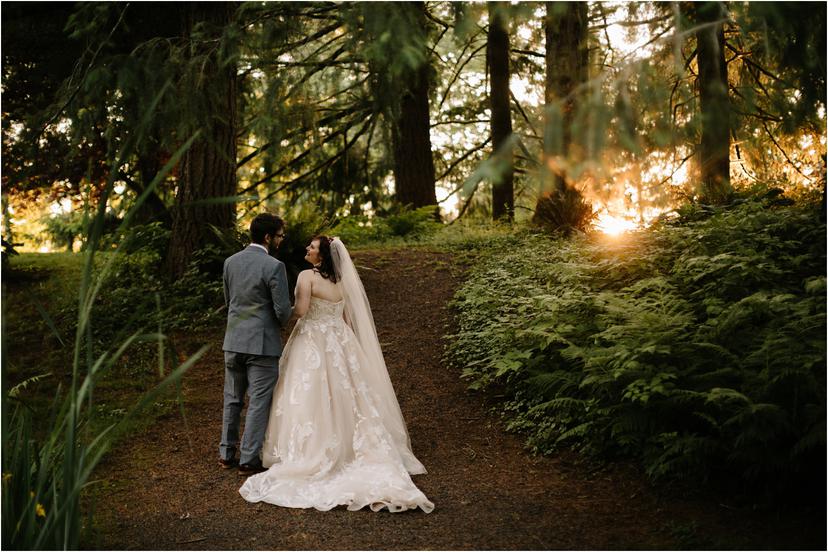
(272, 248)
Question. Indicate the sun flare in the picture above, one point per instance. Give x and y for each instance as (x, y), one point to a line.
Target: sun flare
(613, 225)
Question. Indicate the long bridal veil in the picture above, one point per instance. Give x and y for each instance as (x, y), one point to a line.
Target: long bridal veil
(336, 435)
(358, 316)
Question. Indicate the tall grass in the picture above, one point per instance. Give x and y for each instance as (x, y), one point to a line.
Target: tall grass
(47, 464)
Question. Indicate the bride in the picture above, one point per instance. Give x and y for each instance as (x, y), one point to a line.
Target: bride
(336, 435)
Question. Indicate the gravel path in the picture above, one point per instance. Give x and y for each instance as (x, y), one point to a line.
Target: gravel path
(163, 489)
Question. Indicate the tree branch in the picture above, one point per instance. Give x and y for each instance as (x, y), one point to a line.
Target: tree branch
(85, 74)
(320, 166)
(457, 73)
(437, 20)
(319, 67)
(457, 162)
(523, 114)
(322, 122)
(758, 67)
(784, 153)
(632, 23)
(672, 174)
(296, 159)
(527, 53)
(466, 122)
(466, 205)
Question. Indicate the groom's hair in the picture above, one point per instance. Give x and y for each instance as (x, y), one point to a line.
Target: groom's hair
(264, 224)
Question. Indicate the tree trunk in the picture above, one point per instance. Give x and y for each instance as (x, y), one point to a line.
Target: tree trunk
(497, 54)
(208, 168)
(153, 209)
(567, 58)
(714, 150)
(413, 164)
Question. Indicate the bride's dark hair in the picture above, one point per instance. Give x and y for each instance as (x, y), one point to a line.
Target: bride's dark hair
(326, 267)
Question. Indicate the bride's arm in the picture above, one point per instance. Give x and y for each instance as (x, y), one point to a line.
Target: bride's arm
(303, 293)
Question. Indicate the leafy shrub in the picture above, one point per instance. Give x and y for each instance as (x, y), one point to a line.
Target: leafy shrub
(152, 237)
(65, 228)
(135, 294)
(565, 212)
(410, 224)
(697, 346)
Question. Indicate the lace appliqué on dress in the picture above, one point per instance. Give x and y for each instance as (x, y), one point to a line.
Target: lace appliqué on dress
(327, 444)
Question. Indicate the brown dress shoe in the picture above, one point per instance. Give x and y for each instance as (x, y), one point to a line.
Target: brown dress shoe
(250, 469)
(227, 464)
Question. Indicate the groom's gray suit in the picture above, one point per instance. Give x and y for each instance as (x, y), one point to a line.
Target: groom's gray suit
(258, 305)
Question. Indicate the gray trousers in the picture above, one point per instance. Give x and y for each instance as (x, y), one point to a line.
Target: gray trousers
(257, 376)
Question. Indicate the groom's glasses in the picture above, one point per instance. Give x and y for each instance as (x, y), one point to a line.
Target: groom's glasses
(282, 235)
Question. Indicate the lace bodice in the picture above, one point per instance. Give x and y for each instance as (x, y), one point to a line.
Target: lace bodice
(321, 309)
(336, 434)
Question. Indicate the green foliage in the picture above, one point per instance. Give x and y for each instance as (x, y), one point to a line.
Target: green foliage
(44, 475)
(565, 211)
(48, 462)
(136, 295)
(8, 252)
(411, 224)
(65, 228)
(697, 346)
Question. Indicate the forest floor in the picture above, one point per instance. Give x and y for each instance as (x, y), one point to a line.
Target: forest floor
(163, 488)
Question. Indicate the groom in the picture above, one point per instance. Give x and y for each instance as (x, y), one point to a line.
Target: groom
(258, 305)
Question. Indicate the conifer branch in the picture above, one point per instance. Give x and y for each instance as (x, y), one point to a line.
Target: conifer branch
(433, 50)
(672, 174)
(527, 52)
(437, 20)
(784, 153)
(322, 122)
(368, 147)
(304, 154)
(317, 67)
(310, 38)
(324, 164)
(74, 94)
(465, 206)
(658, 19)
(457, 162)
(461, 122)
(751, 63)
(457, 72)
(656, 38)
(525, 117)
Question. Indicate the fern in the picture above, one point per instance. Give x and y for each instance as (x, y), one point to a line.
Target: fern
(697, 346)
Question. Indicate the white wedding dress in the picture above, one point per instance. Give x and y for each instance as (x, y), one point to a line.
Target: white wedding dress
(336, 435)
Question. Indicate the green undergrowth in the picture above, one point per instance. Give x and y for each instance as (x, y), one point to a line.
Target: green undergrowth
(696, 346)
(40, 317)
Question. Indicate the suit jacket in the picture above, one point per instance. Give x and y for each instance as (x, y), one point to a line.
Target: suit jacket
(257, 300)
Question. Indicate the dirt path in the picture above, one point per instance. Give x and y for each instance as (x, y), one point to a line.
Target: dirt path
(161, 491)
